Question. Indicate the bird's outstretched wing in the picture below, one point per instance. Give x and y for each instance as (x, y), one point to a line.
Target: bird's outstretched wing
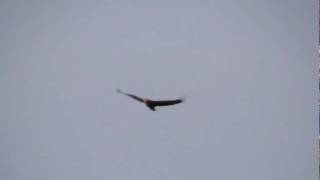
(151, 104)
(131, 95)
(166, 102)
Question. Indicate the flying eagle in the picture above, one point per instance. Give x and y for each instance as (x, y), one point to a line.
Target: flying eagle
(151, 104)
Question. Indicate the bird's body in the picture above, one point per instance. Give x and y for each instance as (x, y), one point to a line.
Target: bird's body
(151, 104)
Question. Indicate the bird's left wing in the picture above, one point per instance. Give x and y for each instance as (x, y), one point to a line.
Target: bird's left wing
(131, 95)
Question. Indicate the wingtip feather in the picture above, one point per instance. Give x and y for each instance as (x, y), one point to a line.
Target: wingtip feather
(183, 98)
(119, 91)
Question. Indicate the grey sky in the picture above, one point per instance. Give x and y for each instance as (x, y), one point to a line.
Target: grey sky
(248, 70)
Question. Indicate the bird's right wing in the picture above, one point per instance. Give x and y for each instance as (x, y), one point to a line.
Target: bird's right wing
(167, 102)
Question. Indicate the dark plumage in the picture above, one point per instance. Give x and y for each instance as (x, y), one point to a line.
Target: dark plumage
(151, 104)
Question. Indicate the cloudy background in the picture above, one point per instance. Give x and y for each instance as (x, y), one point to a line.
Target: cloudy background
(248, 70)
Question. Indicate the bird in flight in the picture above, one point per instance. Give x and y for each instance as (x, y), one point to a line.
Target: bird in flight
(151, 104)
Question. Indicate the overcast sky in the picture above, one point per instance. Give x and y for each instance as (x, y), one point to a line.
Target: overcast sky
(248, 69)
